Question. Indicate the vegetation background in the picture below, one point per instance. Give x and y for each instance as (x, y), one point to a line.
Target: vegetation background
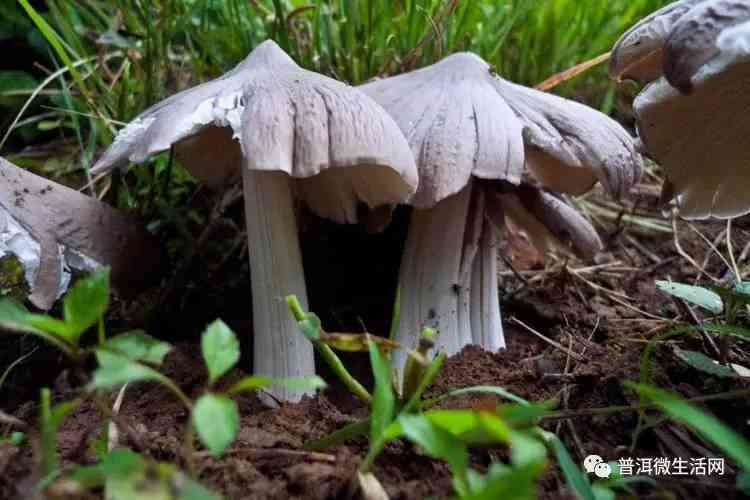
(98, 63)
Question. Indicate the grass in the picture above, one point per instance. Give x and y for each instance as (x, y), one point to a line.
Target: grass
(112, 59)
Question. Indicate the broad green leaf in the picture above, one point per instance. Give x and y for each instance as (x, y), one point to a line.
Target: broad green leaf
(436, 441)
(138, 346)
(574, 476)
(697, 295)
(383, 399)
(708, 426)
(221, 349)
(255, 382)
(55, 326)
(701, 362)
(527, 450)
(14, 318)
(12, 312)
(115, 370)
(216, 420)
(501, 481)
(86, 302)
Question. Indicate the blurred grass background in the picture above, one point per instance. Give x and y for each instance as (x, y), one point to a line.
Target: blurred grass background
(82, 67)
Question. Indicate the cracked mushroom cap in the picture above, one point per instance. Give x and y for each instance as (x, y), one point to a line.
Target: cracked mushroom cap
(701, 139)
(676, 41)
(462, 121)
(268, 114)
(549, 222)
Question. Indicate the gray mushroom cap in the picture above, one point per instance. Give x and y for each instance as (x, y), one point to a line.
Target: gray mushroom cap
(457, 125)
(701, 139)
(268, 114)
(569, 146)
(675, 41)
(638, 54)
(549, 222)
(463, 121)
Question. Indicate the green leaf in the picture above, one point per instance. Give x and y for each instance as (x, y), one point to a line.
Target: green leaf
(50, 419)
(85, 303)
(115, 370)
(12, 312)
(216, 421)
(708, 426)
(436, 441)
(255, 382)
(502, 481)
(487, 389)
(701, 362)
(221, 349)
(383, 399)
(138, 346)
(697, 295)
(14, 318)
(575, 478)
(527, 450)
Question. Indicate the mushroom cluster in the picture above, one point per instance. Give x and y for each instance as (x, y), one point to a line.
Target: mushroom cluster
(290, 133)
(694, 116)
(453, 140)
(473, 135)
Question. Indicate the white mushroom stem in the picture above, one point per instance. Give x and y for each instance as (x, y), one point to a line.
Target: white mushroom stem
(280, 350)
(430, 277)
(486, 321)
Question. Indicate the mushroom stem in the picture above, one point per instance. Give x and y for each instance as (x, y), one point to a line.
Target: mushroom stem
(486, 322)
(432, 293)
(279, 350)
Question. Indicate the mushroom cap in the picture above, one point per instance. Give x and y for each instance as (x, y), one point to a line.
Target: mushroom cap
(701, 139)
(457, 125)
(286, 119)
(462, 121)
(548, 221)
(638, 53)
(675, 41)
(569, 146)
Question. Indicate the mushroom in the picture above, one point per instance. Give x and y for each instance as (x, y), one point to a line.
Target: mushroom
(290, 132)
(693, 121)
(638, 54)
(53, 231)
(472, 133)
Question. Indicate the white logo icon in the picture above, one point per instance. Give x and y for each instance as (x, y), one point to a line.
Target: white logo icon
(594, 464)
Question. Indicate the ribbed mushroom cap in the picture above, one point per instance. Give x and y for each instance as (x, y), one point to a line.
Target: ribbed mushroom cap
(457, 125)
(638, 54)
(341, 145)
(701, 139)
(548, 221)
(692, 42)
(463, 121)
(570, 146)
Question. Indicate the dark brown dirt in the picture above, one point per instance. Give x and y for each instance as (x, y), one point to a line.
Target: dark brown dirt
(605, 315)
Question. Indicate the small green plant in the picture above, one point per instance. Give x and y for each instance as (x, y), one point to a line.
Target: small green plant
(445, 434)
(133, 357)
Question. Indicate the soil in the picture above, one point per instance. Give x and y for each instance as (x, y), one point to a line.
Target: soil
(604, 313)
